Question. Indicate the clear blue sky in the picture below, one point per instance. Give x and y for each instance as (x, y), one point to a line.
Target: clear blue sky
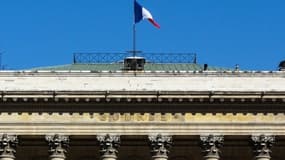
(250, 33)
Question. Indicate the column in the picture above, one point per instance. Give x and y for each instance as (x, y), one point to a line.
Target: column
(262, 146)
(211, 145)
(57, 146)
(8, 146)
(109, 145)
(160, 146)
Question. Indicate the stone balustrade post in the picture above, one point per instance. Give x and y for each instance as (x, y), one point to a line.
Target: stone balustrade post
(262, 146)
(109, 145)
(57, 146)
(211, 145)
(8, 146)
(160, 146)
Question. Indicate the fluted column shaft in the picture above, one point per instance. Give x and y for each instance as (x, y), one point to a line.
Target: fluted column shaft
(57, 146)
(160, 146)
(211, 145)
(109, 145)
(8, 146)
(262, 146)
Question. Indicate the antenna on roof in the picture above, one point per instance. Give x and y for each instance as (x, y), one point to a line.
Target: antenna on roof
(1, 65)
(0, 59)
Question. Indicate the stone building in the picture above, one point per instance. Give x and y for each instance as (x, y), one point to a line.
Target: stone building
(167, 111)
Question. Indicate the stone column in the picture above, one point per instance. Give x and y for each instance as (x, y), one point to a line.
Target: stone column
(57, 146)
(109, 145)
(262, 146)
(8, 146)
(211, 145)
(160, 146)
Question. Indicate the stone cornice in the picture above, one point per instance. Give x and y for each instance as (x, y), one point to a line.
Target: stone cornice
(143, 96)
(142, 87)
(144, 83)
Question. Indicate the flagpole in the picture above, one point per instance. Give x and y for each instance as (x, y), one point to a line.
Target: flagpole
(134, 33)
(134, 39)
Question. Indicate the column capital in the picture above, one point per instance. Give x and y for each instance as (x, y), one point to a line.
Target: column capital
(211, 145)
(8, 145)
(109, 145)
(57, 146)
(160, 145)
(262, 145)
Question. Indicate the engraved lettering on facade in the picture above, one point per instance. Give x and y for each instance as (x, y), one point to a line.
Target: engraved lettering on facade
(115, 117)
(103, 117)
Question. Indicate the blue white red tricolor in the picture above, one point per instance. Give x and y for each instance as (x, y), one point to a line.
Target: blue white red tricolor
(142, 13)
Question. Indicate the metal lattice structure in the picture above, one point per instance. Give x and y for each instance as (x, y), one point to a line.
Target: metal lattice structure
(85, 58)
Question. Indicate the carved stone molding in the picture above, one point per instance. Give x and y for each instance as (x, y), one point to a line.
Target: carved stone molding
(262, 146)
(8, 146)
(160, 146)
(57, 146)
(109, 145)
(211, 145)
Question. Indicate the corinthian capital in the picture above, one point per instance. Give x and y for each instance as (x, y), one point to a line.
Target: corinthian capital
(57, 145)
(262, 145)
(160, 145)
(211, 145)
(8, 146)
(109, 145)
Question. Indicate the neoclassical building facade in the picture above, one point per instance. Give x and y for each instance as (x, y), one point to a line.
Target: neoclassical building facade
(141, 115)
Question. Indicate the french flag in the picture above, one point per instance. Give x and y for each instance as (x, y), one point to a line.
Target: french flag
(142, 13)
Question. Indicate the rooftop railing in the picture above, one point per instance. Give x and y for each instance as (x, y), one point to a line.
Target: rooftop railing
(101, 57)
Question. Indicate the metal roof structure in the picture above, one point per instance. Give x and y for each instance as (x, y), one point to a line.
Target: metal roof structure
(120, 66)
(115, 62)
